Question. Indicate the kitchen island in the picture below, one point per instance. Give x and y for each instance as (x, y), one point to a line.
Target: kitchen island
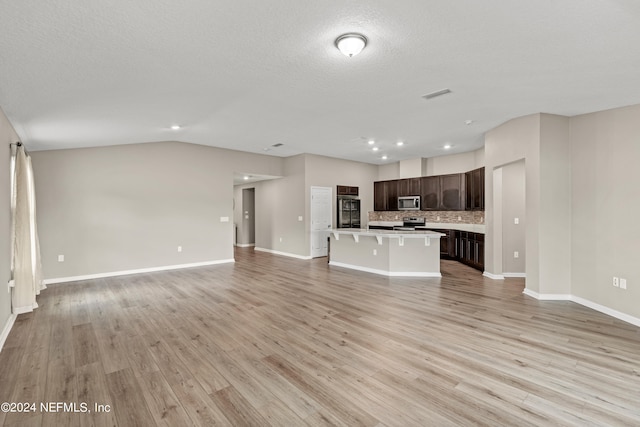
(387, 252)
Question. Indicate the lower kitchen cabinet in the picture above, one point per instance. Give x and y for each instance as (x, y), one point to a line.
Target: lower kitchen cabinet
(447, 244)
(469, 249)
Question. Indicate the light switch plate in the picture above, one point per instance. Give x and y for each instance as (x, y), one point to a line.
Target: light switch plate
(224, 219)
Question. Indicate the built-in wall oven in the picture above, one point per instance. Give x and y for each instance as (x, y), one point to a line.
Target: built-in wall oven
(409, 203)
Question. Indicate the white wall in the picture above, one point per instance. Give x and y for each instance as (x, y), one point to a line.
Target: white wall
(515, 140)
(453, 163)
(513, 206)
(324, 171)
(605, 205)
(129, 207)
(278, 204)
(7, 136)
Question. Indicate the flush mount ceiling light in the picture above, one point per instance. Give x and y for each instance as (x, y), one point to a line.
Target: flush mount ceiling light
(371, 142)
(400, 143)
(384, 157)
(175, 127)
(351, 44)
(447, 146)
(375, 148)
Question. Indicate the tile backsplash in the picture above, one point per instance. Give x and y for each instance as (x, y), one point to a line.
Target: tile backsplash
(463, 217)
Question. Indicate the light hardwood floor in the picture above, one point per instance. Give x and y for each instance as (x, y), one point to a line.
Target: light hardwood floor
(278, 341)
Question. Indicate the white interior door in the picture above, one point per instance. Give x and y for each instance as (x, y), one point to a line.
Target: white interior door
(321, 216)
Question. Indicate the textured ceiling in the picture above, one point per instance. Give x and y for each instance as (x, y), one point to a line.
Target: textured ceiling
(249, 74)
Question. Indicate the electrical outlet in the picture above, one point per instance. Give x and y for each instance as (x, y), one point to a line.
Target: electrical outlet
(437, 218)
(375, 252)
(60, 258)
(516, 221)
(616, 282)
(299, 217)
(516, 254)
(623, 283)
(459, 218)
(179, 248)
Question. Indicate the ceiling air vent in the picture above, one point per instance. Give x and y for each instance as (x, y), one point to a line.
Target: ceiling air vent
(436, 93)
(279, 144)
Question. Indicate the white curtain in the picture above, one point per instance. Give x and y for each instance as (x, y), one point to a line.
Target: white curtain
(26, 266)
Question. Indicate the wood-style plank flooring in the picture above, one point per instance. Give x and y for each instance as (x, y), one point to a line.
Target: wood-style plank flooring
(271, 340)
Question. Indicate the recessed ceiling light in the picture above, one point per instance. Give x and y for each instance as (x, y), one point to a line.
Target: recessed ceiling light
(384, 157)
(371, 142)
(375, 148)
(175, 127)
(447, 146)
(351, 44)
(246, 177)
(468, 122)
(400, 143)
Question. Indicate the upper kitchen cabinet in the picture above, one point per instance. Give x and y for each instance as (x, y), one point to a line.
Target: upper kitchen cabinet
(409, 187)
(345, 190)
(430, 193)
(380, 197)
(392, 194)
(475, 190)
(443, 192)
(452, 194)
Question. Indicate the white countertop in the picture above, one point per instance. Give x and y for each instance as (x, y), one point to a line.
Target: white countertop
(475, 228)
(386, 233)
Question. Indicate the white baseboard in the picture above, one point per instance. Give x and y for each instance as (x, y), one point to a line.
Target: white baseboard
(290, 255)
(585, 302)
(493, 276)
(7, 328)
(136, 271)
(386, 273)
(523, 275)
(547, 297)
(245, 245)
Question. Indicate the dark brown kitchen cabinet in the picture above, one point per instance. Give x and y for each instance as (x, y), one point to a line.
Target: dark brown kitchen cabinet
(345, 190)
(452, 194)
(475, 190)
(443, 192)
(385, 195)
(392, 194)
(430, 193)
(469, 249)
(447, 243)
(380, 198)
(409, 187)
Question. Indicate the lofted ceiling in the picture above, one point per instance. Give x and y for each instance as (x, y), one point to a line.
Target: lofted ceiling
(247, 75)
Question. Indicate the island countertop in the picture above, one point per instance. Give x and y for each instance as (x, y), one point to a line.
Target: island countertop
(387, 233)
(387, 252)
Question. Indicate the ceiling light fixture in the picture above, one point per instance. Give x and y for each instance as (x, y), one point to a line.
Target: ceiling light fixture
(351, 44)
(246, 177)
(175, 127)
(468, 122)
(384, 157)
(447, 146)
(375, 148)
(399, 143)
(371, 142)
(437, 93)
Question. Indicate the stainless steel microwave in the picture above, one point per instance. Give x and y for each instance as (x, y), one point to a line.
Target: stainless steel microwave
(409, 203)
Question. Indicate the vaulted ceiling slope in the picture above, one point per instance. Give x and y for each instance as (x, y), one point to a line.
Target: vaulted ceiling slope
(248, 74)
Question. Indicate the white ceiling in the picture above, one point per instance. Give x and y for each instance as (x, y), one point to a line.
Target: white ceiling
(249, 74)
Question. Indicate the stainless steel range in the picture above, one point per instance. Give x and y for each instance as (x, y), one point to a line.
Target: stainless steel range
(410, 224)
